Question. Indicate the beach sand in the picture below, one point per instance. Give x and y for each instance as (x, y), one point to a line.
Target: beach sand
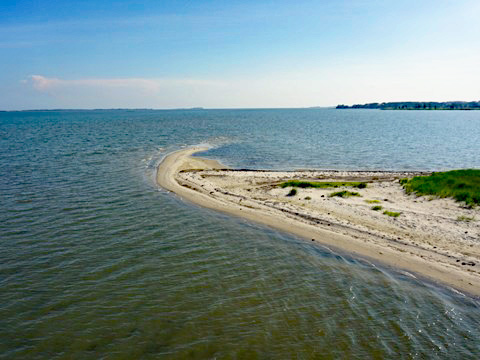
(427, 239)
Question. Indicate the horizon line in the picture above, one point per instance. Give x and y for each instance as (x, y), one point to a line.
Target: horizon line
(235, 108)
(171, 109)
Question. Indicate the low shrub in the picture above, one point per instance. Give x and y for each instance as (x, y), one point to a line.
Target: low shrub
(292, 192)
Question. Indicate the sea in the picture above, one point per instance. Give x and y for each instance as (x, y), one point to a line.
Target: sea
(98, 262)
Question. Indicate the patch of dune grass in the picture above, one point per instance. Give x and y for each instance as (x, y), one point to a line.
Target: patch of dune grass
(323, 184)
(377, 208)
(462, 185)
(391, 213)
(344, 194)
(465, 218)
(372, 201)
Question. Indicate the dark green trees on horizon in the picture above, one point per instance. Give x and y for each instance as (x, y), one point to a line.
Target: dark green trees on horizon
(417, 105)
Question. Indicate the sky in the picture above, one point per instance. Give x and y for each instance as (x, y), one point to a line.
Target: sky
(236, 54)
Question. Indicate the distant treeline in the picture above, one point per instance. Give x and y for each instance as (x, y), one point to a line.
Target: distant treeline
(417, 105)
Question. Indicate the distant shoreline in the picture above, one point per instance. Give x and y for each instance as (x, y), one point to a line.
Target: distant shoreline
(417, 105)
(454, 105)
(418, 241)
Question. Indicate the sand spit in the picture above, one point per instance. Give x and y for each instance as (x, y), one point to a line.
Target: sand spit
(431, 237)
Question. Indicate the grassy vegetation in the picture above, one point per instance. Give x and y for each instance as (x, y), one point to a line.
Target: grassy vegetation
(308, 198)
(377, 208)
(292, 192)
(373, 201)
(462, 185)
(465, 218)
(392, 213)
(323, 184)
(344, 194)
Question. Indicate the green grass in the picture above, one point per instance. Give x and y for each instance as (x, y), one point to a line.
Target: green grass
(292, 192)
(465, 218)
(373, 201)
(392, 213)
(377, 208)
(462, 185)
(322, 184)
(344, 194)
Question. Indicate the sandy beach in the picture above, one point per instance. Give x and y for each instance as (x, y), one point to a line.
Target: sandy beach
(431, 238)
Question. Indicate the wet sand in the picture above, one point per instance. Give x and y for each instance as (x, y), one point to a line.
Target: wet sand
(427, 239)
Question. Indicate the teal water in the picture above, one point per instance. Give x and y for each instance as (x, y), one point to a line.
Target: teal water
(97, 262)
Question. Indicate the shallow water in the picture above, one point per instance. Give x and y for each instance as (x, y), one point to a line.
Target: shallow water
(97, 262)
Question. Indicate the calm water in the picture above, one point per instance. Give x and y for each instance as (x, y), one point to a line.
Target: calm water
(97, 262)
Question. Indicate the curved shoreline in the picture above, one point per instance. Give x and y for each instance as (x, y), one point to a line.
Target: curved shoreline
(419, 260)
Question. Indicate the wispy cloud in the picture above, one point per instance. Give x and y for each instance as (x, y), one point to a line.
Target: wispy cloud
(42, 83)
(125, 92)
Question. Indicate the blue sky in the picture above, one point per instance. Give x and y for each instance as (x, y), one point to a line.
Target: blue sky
(217, 54)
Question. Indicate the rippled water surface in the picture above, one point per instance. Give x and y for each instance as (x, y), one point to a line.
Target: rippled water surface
(97, 262)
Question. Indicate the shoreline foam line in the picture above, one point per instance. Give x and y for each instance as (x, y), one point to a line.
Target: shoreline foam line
(379, 246)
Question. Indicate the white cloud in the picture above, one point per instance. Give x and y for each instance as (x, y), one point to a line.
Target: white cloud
(41, 83)
(125, 92)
